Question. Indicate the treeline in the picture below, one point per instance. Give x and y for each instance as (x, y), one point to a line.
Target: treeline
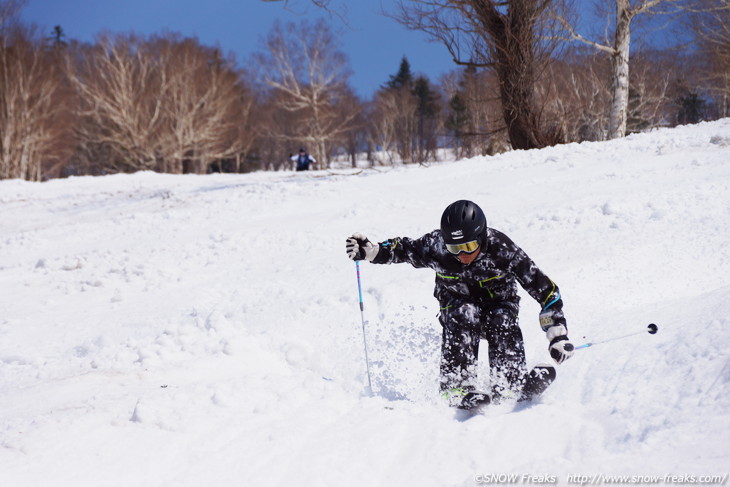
(171, 104)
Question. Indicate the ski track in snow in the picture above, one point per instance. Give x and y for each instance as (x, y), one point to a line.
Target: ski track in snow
(164, 330)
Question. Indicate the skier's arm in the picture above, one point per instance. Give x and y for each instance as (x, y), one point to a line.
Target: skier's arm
(538, 285)
(392, 251)
(547, 293)
(402, 249)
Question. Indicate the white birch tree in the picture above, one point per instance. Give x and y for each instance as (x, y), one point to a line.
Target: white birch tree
(30, 108)
(122, 89)
(204, 106)
(618, 48)
(308, 73)
(164, 103)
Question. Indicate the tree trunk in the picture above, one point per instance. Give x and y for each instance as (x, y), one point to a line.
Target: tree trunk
(517, 109)
(513, 38)
(620, 72)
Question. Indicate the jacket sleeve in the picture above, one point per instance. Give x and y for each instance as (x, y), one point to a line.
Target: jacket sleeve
(540, 287)
(402, 249)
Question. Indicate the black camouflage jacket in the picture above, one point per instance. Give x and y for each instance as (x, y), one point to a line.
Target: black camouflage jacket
(490, 281)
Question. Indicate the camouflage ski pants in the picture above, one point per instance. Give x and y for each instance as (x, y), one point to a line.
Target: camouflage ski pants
(464, 326)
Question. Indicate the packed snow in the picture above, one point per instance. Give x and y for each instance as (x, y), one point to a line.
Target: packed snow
(160, 330)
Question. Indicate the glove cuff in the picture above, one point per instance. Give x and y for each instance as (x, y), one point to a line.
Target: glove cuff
(558, 339)
(546, 320)
(556, 331)
(371, 251)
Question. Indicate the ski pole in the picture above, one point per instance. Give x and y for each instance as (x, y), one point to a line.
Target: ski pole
(652, 329)
(362, 319)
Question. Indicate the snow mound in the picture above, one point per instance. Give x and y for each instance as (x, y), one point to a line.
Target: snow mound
(167, 330)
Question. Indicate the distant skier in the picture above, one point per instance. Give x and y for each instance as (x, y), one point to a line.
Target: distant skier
(477, 271)
(303, 160)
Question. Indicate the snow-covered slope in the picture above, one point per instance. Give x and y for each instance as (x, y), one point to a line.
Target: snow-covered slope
(162, 330)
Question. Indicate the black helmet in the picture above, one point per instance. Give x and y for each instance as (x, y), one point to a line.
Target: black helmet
(463, 221)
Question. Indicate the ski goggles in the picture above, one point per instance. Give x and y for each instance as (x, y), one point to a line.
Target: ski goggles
(466, 247)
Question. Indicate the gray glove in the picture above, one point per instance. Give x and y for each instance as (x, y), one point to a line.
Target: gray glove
(358, 247)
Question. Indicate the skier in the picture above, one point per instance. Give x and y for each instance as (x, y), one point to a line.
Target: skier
(477, 269)
(303, 160)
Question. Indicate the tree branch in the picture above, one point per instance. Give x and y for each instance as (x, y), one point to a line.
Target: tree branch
(574, 36)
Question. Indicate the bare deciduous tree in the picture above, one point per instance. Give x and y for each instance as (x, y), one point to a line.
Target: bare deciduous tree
(122, 89)
(506, 36)
(325, 5)
(30, 105)
(576, 92)
(649, 84)
(308, 74)
(204, 106)
(354, 138)
(710, 25)
(319, 3)
(164, 103)
(618, 49)
(388, 112)
(474, 121)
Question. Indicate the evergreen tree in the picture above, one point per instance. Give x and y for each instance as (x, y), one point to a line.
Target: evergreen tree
(404, 77)
(467, 119)
(459, 116)
(57, 38)
(427, 98)
(691, 108)
(426, 113)
(458, 120)
(414, 108)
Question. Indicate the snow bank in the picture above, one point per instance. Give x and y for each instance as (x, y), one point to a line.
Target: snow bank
(183, 330)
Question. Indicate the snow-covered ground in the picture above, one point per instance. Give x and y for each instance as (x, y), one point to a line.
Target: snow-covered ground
(161, 330)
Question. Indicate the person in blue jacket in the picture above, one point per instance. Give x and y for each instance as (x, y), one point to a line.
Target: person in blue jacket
(303, 160)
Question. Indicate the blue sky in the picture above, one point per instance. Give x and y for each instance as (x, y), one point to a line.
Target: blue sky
(375, 44)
